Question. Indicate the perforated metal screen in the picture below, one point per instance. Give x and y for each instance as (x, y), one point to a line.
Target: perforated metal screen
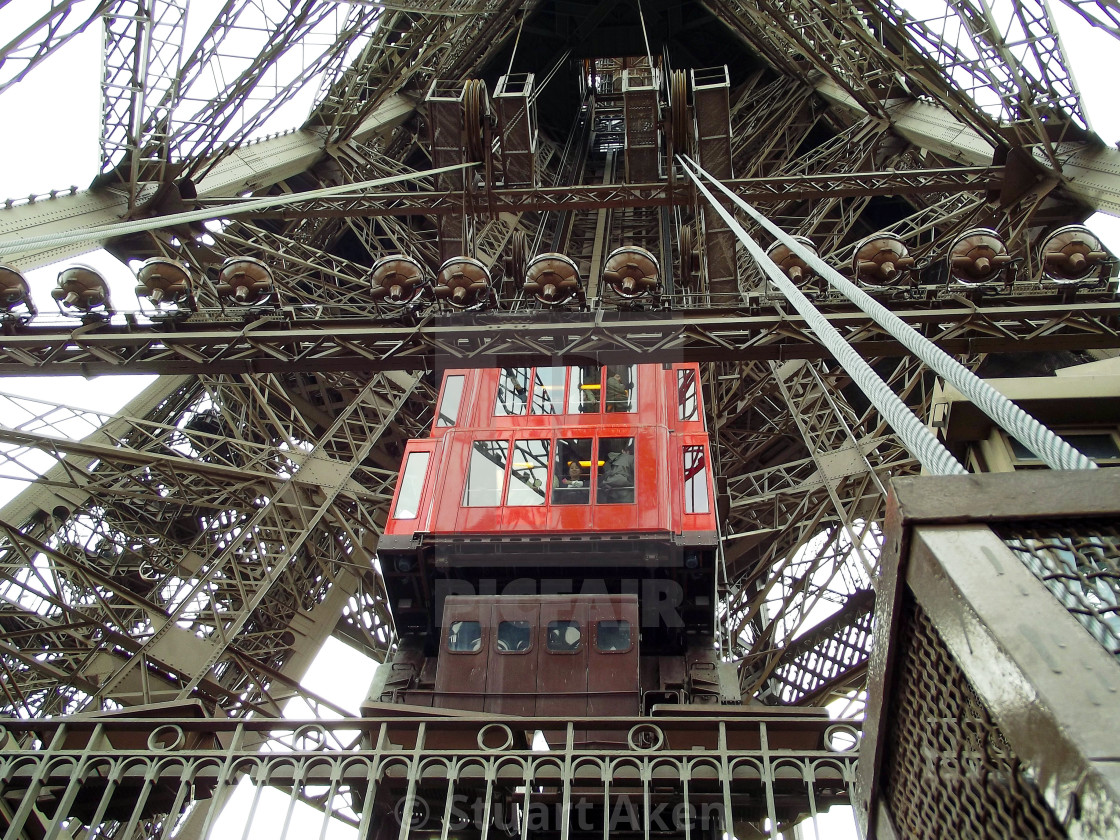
(1079, 562)
(949, 771)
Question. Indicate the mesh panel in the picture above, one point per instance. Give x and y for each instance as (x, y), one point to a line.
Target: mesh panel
(1080, 563)
(949, 772)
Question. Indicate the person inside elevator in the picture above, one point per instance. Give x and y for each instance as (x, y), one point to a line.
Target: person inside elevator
(616, 484)
(618, 395)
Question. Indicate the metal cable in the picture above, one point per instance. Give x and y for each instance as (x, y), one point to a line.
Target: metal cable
(1054, 451)
(645, 37)
(516, 43)
(562, 61)
(929, 451)
(98, 234)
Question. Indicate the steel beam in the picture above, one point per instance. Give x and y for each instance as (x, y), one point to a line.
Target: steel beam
(1089, 171)
(279, 344)
(794, 187)
(253, 167)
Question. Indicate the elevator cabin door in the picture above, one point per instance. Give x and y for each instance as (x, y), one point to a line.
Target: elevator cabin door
(550, 655)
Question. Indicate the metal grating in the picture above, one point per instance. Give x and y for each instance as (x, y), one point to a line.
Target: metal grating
(949, 771)
(1079, 562)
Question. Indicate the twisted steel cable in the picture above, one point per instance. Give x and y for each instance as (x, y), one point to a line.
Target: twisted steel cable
(1040, 440)
(917, 437)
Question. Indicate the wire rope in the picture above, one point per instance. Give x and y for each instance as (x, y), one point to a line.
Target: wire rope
(1054, 451)
(915, 435)
(22, 245)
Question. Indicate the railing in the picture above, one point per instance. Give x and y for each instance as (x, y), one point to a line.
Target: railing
(421, 771)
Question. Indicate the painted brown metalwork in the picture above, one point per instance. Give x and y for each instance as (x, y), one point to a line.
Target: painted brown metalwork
(206, 540)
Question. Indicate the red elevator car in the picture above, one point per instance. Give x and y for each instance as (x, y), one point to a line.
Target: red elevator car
(574, 480)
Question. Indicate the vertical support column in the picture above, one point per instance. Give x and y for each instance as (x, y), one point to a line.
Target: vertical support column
(712, 103)
(639, 105)
(517, 124)
(143, 49)
(445, 122)
(602, 227)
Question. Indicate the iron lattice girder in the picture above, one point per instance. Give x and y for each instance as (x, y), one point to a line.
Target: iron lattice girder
(234, 114)
(76, 630)
(829, 657)
(596, 197)
(47, 33)
(407, 50)
(94, 614)
(278, 562)
(1104, 14)
(772, 417)
(143, 43)
(1018, 61)
(769, 123)
(876, 50)
(279, 343)
(268, 541)
(204, 484)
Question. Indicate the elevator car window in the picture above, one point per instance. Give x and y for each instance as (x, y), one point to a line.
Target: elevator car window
(485, 473)
(612, 636)
(528, 475)
(464, 636)
(514, 636)
(564, 636)
(448, 412)
(513, 392)
(412, 482)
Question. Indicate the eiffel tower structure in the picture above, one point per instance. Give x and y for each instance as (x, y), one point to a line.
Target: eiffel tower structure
(194, 550)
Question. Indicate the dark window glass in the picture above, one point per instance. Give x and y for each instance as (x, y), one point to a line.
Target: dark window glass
(412, 482)
(563, 636)
(449, 403)
(615, 480)
(695, 480)
(464, 636)
(514, 636)
(485, 473)
(548, 390)
(612, 636)
(528, 476)
(513, 392)
(620, 392)
(583, 392)
(1097, 446)
(571, 472)
(1022, 453)
(687, 404)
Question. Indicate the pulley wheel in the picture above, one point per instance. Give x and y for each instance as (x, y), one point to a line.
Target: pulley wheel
(678, 102)
(519, 257)
(474, 111)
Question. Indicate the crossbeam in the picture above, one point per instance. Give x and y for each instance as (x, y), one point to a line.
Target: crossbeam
(280, 342)
(596, 196)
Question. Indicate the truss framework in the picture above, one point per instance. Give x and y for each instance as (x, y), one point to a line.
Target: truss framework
(204, 543)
